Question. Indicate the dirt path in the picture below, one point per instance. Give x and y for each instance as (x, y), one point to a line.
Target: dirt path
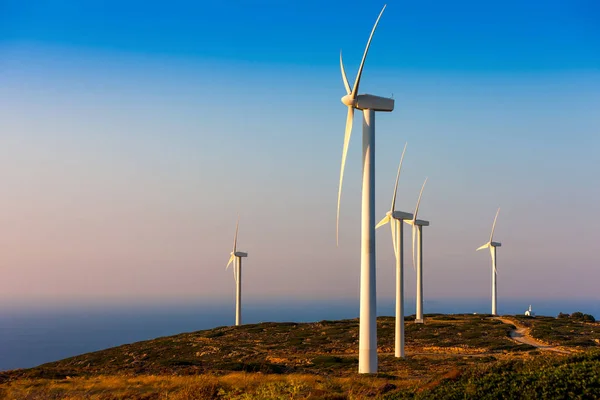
(521, 334)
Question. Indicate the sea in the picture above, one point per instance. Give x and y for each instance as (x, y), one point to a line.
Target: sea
(31, 336)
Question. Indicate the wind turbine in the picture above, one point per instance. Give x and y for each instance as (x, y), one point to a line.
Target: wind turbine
(395, 218)
(492, 246)
(417, 230)
(368, 104)
(236, 258)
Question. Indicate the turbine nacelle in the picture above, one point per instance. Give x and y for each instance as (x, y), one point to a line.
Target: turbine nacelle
(369, 102)
(240, 254)
(401, 215)
(418, 222)
(489, 244)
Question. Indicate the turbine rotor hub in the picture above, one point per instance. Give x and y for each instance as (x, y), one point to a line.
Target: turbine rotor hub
(349, 100)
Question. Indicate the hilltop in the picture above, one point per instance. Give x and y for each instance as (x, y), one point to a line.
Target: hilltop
(318, 360)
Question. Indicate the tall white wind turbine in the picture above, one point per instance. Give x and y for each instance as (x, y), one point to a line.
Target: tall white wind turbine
(417, 233)
(368, 104)
(492, 246)
(236, 259)
(395, 218)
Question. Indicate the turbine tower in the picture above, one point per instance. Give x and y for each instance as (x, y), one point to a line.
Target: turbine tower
(395, 219)
(492, 246)
(236, 258)
(417, 230)
(368, 104)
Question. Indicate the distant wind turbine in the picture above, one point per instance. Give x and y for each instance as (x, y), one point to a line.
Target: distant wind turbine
(395, 218)
(492, 246)
(417, 230)
(236, 258)
(367, 347)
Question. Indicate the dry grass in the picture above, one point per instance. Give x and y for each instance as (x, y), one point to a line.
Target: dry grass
(201, 387)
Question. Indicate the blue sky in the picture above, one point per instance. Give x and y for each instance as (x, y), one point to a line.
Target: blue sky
(132, 134)
(456, 36)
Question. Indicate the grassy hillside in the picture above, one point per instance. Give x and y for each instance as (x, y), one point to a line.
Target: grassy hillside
(326, 346)
(448, 355)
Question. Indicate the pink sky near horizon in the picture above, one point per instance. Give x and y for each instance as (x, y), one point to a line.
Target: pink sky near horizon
(129, 192)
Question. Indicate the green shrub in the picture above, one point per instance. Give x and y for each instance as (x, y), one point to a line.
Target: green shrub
(329, 361)
(573, 377)
(589, 318)
(577, 316)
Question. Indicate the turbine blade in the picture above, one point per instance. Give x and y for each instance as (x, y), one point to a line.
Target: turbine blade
(493, 254)
(494, 225)
(235, 272)
(393, 228)
(384, 221)
(483, 247)
(362, 63)
(230, 260)
(414, 232)
(344, 77)
(419, 200)
(349, 120)
(237, 225)
(397, 178)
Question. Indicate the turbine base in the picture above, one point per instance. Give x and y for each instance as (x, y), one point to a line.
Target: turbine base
(367, 361)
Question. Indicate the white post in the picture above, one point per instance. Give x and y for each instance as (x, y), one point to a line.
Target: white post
(494, 292)
(367, 341)
(399, 288)
(419, 314)
(238, 296)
